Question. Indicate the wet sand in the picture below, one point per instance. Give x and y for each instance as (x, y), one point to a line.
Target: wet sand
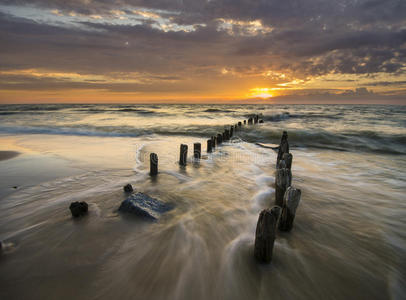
(4, 155)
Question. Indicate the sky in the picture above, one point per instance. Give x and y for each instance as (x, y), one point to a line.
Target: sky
(203, 51)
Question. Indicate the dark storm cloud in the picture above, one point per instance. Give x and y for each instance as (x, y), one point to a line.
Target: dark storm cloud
(308, 37)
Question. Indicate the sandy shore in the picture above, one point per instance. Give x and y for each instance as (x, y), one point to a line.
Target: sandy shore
(4, 155)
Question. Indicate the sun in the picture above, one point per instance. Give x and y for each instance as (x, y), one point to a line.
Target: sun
(263, 93)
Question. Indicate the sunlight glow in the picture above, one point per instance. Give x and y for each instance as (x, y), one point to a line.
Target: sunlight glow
(260, 93)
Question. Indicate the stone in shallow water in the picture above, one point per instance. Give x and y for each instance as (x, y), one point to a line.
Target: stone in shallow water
(143, 205)
(128, 188)
(78, 209)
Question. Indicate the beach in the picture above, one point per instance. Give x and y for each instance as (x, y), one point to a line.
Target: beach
(348, 240)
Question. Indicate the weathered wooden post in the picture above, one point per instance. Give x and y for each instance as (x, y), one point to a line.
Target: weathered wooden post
(213, 142)
(256, 119)
(209, 146)
(288, 157)
(197, 150)
(239, 124)
(283, 180)
(219, 139)
(245, 122)
(153, 164)
(226, 135)
(183, 155)
(265, 234)
(231, 131)
(250, 121)
(283, 147)
(291, 201)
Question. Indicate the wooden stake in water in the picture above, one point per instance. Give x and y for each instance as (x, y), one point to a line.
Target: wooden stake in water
(283, 180)
(153, 164)
(197, 150)
(183, 155)
(245, 122)
(265, 234)
(209, 146)
(250, 121)
(231, 131)
(239, 124)
(291, 201)
(219, 139)
(288, 157)
(283, 147)
(213, 142)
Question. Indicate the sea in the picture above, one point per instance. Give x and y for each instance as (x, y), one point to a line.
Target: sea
(349, 235)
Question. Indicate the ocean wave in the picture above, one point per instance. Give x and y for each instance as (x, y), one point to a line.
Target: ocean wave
(287, 115)
(358, 141)
(214, 110)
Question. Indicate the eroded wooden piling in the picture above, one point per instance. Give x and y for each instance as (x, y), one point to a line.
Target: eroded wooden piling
(209, 146)
(291, 201)
(283, 180)
(283, 147)
(245, 122)
(239, 124)
(183, 155)
(231, 131)
(219, 139)
(153, 164)
(197, 150)
(288, 157)
(265, 234)
(250, 121)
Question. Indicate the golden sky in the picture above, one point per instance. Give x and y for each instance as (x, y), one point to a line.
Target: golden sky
(203, 51)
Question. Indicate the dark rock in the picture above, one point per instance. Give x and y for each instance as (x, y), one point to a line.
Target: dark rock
(128, 188)
(78, 209)
(145, 206)
(261, 121)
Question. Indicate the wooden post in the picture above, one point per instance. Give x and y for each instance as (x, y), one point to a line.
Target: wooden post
(197, 150)
(183, 155)
(239, 124)
(213, 142)
(256, 119)
(219, 139)
(250, 121)
(153, 164)
(226, 135)
(209, 146)
(265, 234)
(288, 157)
(291, 201)
(245, 122)
(283, 147)
(231, 131)
(283, 180)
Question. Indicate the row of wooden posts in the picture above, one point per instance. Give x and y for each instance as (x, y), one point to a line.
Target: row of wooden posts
(281, 215)
(287, 197)
(214, 141)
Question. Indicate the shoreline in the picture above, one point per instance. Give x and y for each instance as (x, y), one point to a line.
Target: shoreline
(5, 155)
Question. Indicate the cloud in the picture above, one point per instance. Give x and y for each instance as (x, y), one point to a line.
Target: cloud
(194, 41)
